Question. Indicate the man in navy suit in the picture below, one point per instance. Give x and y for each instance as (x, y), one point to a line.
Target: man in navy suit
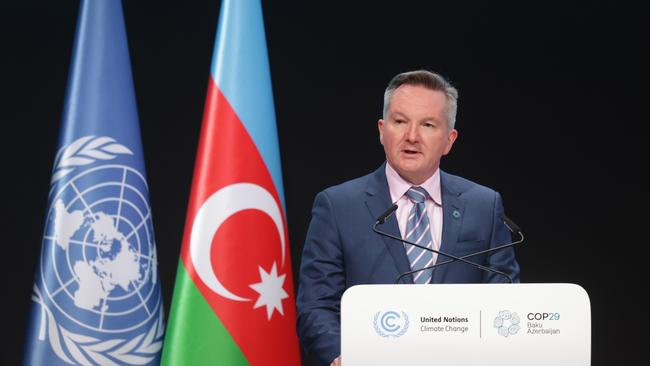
(435, 209)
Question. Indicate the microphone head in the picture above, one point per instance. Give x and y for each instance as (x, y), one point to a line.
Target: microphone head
(510, 224)
(382, 218)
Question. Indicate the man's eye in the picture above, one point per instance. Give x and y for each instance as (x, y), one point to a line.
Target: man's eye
(399, 121)
(429, 125)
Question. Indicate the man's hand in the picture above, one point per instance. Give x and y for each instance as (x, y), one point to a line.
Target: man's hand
(336, 362)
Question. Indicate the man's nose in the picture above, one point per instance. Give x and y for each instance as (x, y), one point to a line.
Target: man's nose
(412, 134)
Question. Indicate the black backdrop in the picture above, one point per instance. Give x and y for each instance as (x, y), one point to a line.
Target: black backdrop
(550, 114)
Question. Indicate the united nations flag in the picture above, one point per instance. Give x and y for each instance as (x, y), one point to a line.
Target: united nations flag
(96, 296)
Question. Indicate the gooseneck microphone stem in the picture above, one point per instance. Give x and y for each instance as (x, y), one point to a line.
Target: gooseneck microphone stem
(509, 224)
(521, 239)
(382, 219)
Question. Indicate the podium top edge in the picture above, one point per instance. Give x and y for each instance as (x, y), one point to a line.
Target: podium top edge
(361, 290)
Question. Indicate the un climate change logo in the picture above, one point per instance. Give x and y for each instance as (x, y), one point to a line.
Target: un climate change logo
(391, 323)
(98, 268)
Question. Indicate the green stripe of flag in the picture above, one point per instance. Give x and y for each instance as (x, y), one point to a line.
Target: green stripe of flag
(195, 335)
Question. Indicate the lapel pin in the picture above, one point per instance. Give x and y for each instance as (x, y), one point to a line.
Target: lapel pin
(455, 214)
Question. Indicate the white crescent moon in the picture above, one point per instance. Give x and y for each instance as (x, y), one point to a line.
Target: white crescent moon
(215, 210)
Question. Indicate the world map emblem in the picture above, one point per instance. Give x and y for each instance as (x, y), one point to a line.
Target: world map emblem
(97, 282)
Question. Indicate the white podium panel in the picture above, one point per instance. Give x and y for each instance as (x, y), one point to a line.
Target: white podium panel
(467, 324)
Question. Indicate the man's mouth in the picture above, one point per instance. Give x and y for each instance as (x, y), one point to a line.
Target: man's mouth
(410, 152)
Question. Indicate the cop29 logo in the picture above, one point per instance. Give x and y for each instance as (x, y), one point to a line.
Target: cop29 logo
(507, 323)
(391, 323)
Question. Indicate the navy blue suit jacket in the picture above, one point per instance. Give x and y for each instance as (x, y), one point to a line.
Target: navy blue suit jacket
(341, 250)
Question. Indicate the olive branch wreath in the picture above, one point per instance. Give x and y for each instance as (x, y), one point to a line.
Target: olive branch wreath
(82, 348)
(83, 151)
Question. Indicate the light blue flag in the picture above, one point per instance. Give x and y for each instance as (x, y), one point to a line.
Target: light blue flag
(96, 296)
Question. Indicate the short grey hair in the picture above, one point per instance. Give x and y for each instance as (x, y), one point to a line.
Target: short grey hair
(429, 80)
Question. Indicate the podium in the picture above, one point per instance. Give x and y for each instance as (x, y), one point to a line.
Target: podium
(466, 324)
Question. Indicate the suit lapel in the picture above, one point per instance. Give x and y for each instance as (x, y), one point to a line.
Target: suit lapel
(453, 208)
(378, 200)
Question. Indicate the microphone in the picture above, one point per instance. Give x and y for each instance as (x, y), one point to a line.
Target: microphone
(511, 225)
(382, 219)
(514, 228)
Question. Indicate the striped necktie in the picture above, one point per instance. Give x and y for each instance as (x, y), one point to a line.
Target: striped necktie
(418, 231)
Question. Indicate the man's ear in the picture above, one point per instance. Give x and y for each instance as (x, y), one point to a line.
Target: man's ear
(453, 135)
(380, 126)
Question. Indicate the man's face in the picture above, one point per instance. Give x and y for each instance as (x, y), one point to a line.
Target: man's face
(416, 134)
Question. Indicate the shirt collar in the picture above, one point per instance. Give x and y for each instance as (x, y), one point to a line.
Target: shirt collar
(398, 185)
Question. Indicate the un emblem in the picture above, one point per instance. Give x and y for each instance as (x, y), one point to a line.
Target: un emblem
(98, 266)
(391, 323)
